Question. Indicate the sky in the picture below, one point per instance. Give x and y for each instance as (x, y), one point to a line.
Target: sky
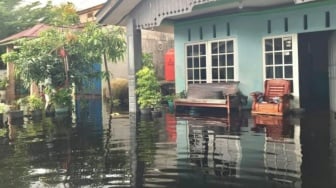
(79, 4)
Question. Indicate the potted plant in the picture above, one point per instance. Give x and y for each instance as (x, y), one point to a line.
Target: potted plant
(170, 101)
(35, 105)
(62, 100)
(22, 104)
(15, 114)
(148, 86)
(156, 104)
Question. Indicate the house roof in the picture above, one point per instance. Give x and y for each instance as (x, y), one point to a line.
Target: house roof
(28, 33)
(115, 11)
(151, 14)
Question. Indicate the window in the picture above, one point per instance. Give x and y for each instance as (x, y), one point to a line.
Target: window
(222, 61)
(211, 62)
(196, 63)
(278, 58)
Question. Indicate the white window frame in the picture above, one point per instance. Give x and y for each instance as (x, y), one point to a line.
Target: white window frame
(295, 68)
(208, 56)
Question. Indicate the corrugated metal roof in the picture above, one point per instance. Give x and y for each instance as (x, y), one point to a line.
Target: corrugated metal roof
(28, 33)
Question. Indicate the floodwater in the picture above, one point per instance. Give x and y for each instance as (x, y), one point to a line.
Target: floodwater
(185, 151)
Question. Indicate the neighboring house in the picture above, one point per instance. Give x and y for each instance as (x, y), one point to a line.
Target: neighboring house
(239, 40)
(88, 15)
(14, 89)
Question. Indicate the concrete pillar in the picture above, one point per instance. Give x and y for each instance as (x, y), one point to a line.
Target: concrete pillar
(134, 62)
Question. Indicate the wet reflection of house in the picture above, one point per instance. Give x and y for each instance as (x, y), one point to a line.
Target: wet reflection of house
(282, 149)
(214, 146)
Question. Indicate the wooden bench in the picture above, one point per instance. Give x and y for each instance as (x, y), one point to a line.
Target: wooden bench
(225, 95)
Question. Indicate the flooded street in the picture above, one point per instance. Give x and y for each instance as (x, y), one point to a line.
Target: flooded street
(171, 151)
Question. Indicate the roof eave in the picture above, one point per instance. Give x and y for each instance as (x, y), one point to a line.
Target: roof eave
(115, 12)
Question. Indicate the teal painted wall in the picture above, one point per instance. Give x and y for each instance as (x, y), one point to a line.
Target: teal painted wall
(249, 29)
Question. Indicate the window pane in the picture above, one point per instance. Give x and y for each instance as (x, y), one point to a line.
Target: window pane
(202, 49)
(278, 58)
(269, 45)
(190, 74)
(222, 73)
(288, 72)
(278, 44)
(288, 58)
(190, 62)
(221, 47)
(203, 61)
(214, 48)
(222, 60)
(269, 72)
(230, 74)
(196, 50)
(214, 73)
(278, 72)
(196, 62)
(214, 60)
(189, 50)
(287, 42)
(229, 46)
(230, 60)
(269, 59)
(203, 74)
(196, 74)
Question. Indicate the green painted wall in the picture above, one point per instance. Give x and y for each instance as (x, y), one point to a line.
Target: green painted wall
(248, 29)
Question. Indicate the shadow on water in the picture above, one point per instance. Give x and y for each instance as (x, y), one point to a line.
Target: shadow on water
(201, 148)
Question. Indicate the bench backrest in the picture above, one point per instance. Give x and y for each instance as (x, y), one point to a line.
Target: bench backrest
(212, 90)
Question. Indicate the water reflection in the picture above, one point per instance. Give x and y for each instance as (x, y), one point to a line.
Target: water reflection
(282, 148)
(170, 151)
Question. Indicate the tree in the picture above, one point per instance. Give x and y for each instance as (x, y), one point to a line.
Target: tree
(65, 55)
(16, 17)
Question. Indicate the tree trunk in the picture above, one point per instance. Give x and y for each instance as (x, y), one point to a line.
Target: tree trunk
(108, 83)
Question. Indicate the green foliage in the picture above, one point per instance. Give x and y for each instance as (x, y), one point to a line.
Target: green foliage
(40, 59)
(4, 108)
(170, 97)
(3, 83)
(14, 18)
(61, 97)
(147, 60)
(148, 87)
(35, 103)
(62, 15)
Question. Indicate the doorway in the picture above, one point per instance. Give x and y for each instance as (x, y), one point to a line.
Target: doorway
(313, 70)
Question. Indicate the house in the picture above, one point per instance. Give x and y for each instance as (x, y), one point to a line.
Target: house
(14, 89)
(88, 14)
(239, 40)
